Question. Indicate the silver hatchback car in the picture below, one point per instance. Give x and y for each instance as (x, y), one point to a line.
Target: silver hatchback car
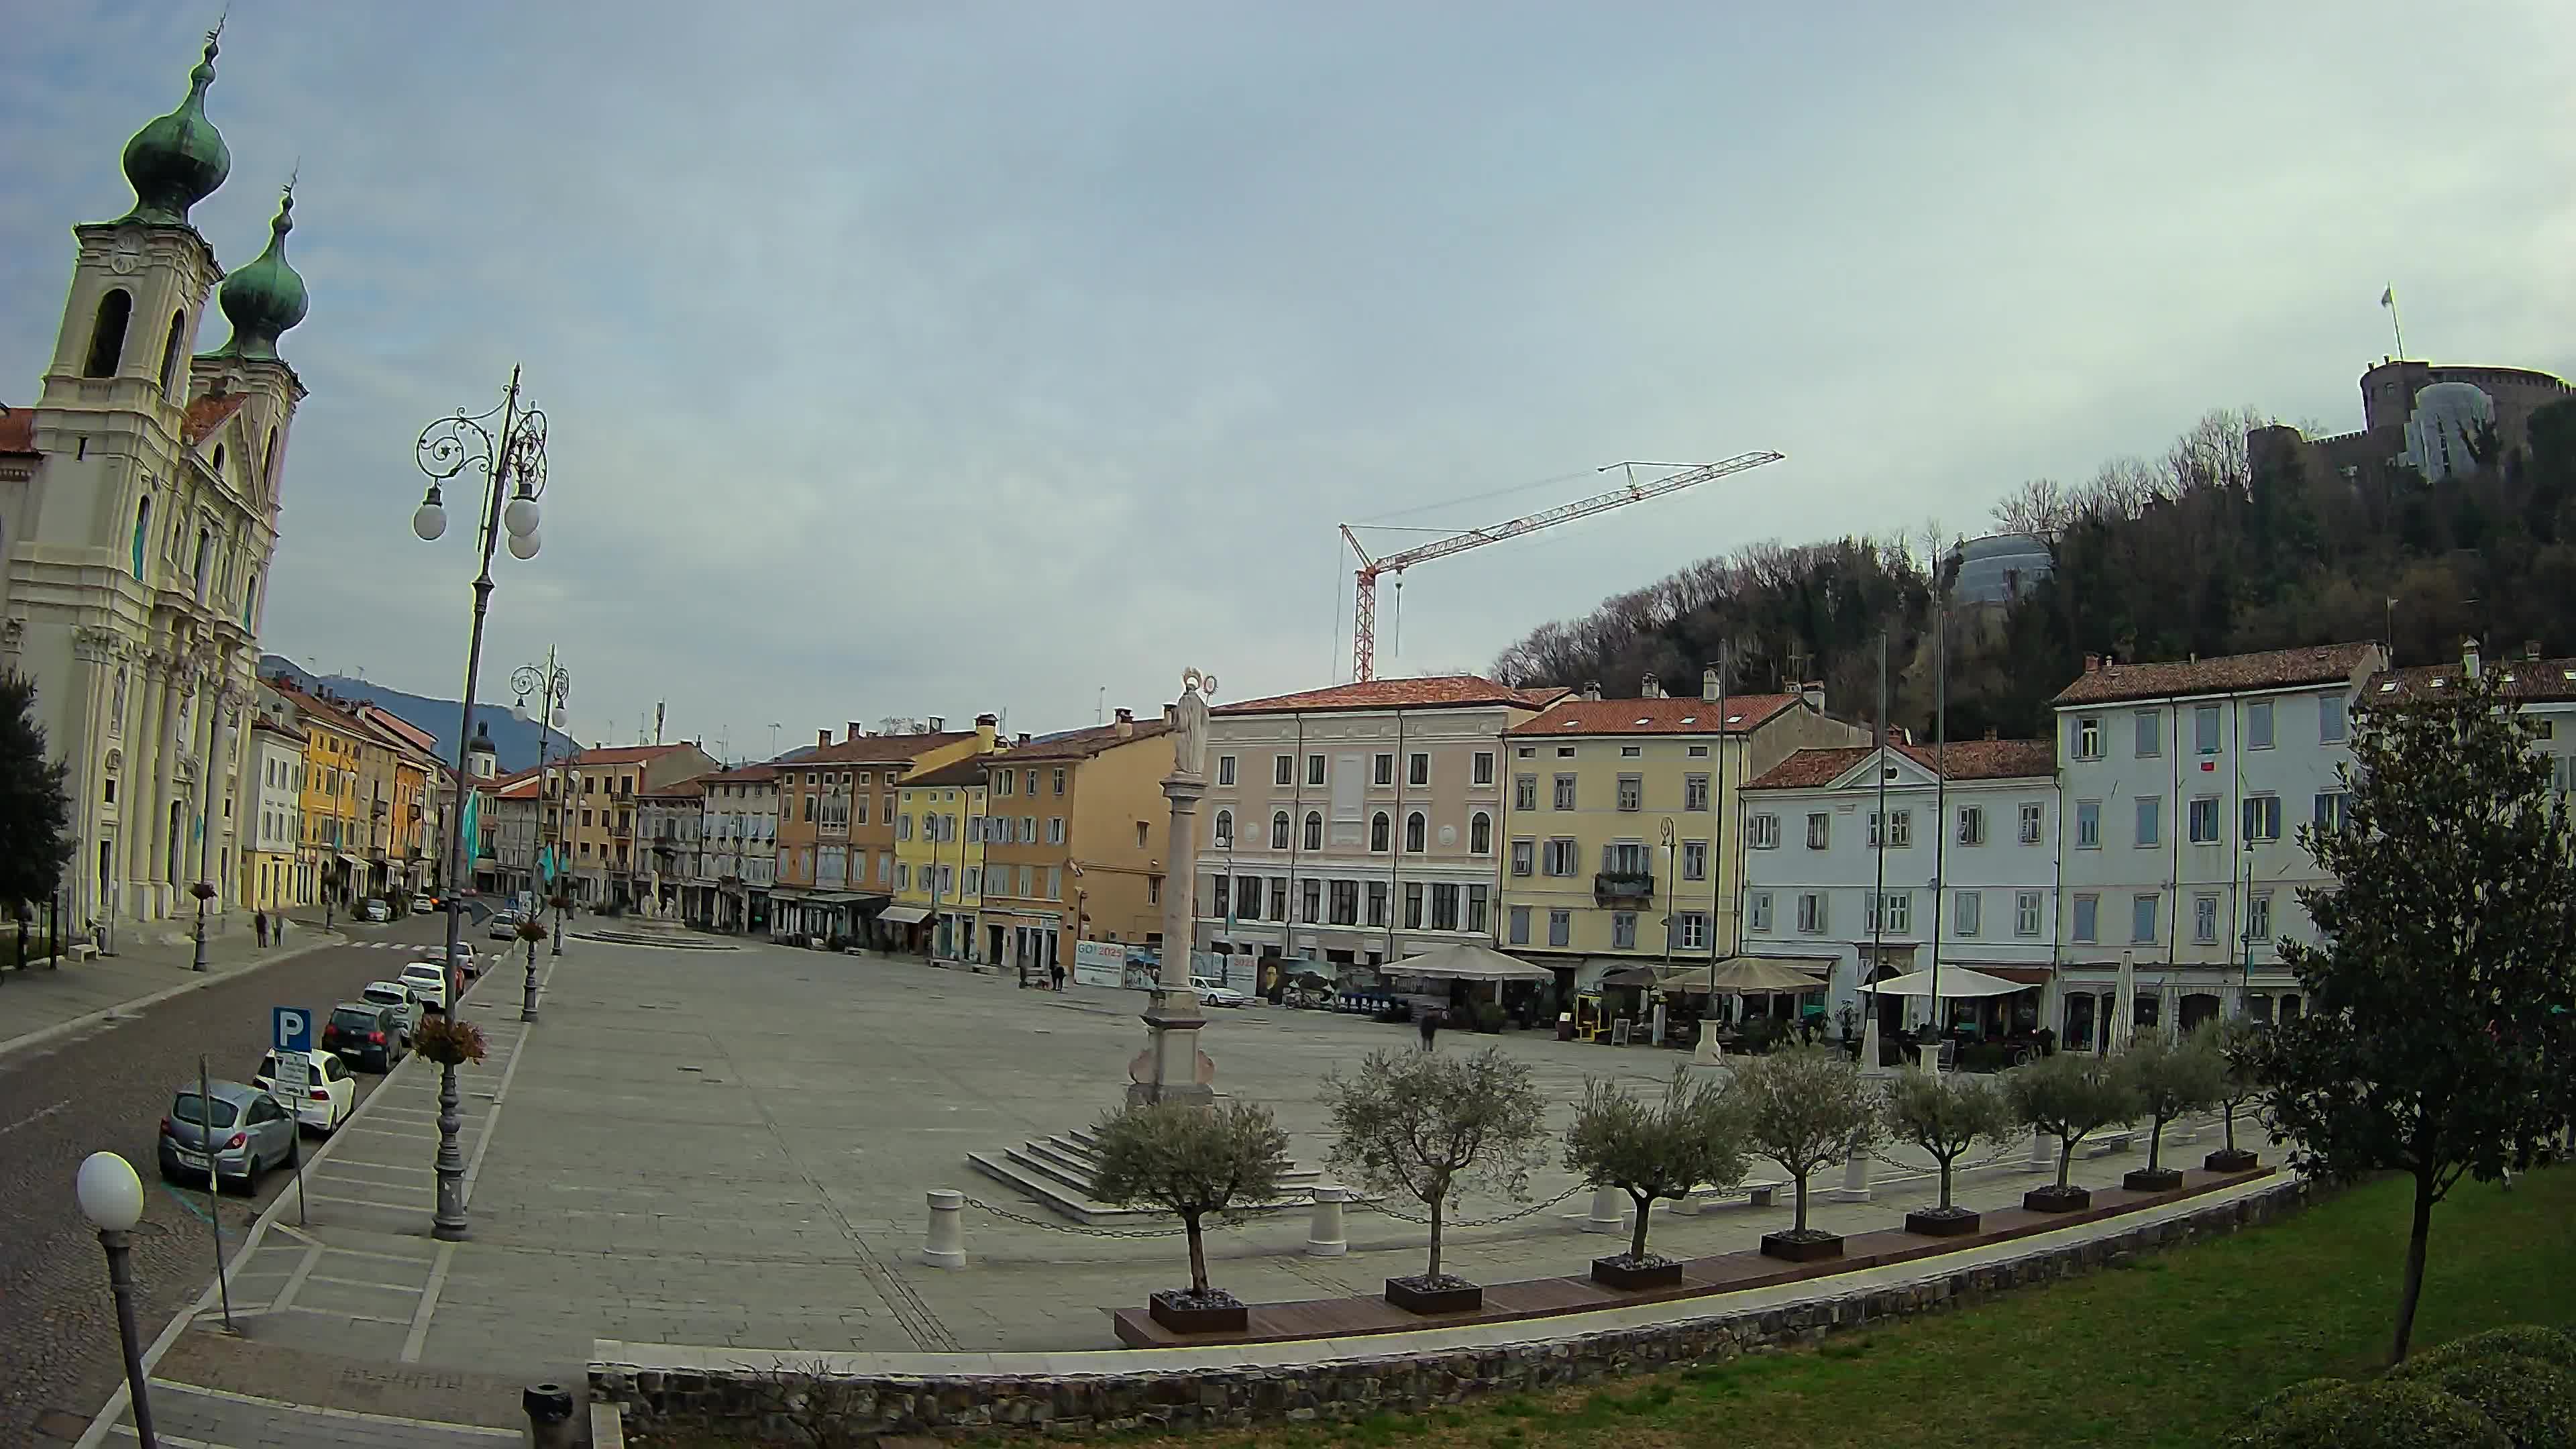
(235, 1133)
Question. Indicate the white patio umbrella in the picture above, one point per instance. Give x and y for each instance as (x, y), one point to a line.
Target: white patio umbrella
(2124, 1006)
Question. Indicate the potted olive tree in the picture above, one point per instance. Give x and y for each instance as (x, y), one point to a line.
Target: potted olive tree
(1653, 1150)
(2169, 1079)
(1805, 1108)
(1194, 1163)
(2237, 1044)
(1425, 1124)
(1945, 1114)
(2073, 1096)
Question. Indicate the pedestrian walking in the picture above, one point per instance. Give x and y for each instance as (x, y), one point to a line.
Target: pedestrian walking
(277, 932)
(1055, 973)
(1430, 1024)
(259, 927)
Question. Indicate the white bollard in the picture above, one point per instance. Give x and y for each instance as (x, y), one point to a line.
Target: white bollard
(2043, 1158)
(1855, 1186)
(1324, 1238)
(1609, 1210)
(945, 1247)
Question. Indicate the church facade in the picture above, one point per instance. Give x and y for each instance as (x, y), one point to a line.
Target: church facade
(138, 518)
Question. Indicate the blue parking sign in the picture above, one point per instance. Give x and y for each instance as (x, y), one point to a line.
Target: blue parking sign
(291, 1029)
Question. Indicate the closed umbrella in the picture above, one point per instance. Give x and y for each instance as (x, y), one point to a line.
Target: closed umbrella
(2124, 1006)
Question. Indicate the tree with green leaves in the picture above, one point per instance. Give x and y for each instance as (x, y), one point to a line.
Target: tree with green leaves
(1653, 1150)
(2071, 1096)
(1946, 1114)
(2238, 1044)
(2168, 1079)
(1805, 1108)
(1195, 1163)
(1428, 1123)
(35, 811)
(2437, 1035)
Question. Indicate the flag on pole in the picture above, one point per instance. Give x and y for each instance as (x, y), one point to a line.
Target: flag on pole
(2388, 298)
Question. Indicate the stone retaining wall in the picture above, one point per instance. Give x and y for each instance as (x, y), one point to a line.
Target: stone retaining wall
(770, 1406)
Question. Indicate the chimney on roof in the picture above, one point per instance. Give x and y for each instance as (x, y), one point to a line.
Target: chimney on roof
(1814, 695)
(2469, 657)
(855, 731)
(1023, 739)
(1126, 723)
(2092, 663)
(1650, 687)
(987, 729)
(938, 723)
(1990, 732)
(1592, 690)
(823, 738)
(2531, 649)
(1709, 687)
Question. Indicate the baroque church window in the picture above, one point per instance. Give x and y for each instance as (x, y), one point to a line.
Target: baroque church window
(170, 353)
(107, 333)
(142, 531)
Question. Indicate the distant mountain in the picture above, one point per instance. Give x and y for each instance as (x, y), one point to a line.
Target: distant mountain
(514, 736)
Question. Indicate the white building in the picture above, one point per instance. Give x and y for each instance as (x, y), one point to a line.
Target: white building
(738, 858)
(2185, 784)
(1342, 825)
(138, 507)
(273, 807)
(1965, 872)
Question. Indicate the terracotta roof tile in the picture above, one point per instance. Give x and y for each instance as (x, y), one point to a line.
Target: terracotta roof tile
(1693, 716)
(879, 749)
(18, 431)
(1962, 760)
(2272, 669)
(1430, 692)
(968, 771)
(2534, 680)
(747, 775)
(205, 414)
(1081, 744)
(623, 754)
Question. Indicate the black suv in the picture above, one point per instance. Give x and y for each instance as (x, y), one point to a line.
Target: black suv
(365, 1035)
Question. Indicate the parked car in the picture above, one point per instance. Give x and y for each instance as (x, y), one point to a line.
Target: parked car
(395, 995)
(467, 962)
(330, 1093)
(373, 909)
(366, 1034)
(1212, 992)
(232, 1133)
(427, 982)
(505, 926)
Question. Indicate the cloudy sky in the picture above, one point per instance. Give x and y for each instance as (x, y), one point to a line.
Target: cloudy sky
(911, 359)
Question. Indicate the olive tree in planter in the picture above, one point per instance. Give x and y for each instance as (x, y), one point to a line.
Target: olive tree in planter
(1196, 1164)
(1425, 1124)
(1946, 1114)
(2072, 1096)
(1653, 1150)
(2237, 1044)
(1805, 1108)
(2168, 1079)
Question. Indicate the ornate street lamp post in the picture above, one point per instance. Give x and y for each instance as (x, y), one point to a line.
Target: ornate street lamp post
(554, 683)
(111, 1197)
(513, 464)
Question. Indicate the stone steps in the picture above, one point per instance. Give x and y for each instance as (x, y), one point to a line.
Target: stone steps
(1058, 1171)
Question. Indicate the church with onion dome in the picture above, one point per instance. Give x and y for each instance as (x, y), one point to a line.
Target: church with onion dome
(138, 517)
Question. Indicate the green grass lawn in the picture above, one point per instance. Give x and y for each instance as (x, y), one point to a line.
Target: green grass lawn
(2167, 1352)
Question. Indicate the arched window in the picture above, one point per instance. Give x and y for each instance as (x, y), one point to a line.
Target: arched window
(205, 560)
(219, 460)
(268, 462)
(1314, 830)
(1224, 829)
(107, 333)
(250, 608)
(170, 353)
(142, 531)
(1413, 827)
(1279, 831)
(1379, 832)
(1480, 834)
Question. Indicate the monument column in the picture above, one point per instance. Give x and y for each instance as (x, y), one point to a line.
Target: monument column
(1169, 1069)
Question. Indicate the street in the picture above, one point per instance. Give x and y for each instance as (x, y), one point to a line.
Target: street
(107, 1088)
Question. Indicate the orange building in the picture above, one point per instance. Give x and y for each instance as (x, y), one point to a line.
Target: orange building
(1075, 843)
(836, 814)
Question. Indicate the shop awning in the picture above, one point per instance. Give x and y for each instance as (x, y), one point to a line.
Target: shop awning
(2026, 975)
(351, 861)
(1956, 982)
(1465, 962)
(903, 915)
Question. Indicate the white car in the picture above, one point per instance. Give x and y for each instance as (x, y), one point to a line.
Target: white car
(372, 909)
(330, 1093)
(427, 983)
(397, 996)
(1212, 992)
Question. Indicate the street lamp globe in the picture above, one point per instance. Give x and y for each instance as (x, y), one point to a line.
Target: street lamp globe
(525, 545)
(429, 521)
(111, 1196)
(521, 516)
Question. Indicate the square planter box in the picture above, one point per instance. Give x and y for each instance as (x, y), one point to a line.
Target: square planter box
(1414, 1296)
(2161, 1179)
(1801, 1250)
(1182, 1313)
(2057, 1199)
(2231, 1159)
(1619, 1273)
(1933, 1223)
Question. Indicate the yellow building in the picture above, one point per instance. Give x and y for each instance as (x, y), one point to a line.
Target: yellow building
(607, 868)
(939, 859)
(1075, 844)
(330, 865)
(1616, 822)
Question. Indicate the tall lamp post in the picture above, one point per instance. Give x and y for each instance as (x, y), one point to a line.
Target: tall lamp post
(554, 683)
(513, 464)
(111, 1197)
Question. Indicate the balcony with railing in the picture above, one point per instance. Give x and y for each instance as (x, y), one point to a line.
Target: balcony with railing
(1623, 886)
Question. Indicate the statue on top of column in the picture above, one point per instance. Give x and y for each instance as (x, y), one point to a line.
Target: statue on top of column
(1189, 724)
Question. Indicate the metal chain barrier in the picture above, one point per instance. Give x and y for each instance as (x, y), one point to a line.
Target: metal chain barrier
(1424, 1220)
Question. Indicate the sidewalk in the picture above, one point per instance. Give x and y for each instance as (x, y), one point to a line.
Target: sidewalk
(47, 1002)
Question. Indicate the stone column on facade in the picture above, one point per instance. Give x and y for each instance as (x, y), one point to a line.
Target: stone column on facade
(1168, 1071)
(134, 804)
(94, 662)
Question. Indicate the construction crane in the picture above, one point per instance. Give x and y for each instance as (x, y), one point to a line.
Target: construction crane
(1364, 610)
